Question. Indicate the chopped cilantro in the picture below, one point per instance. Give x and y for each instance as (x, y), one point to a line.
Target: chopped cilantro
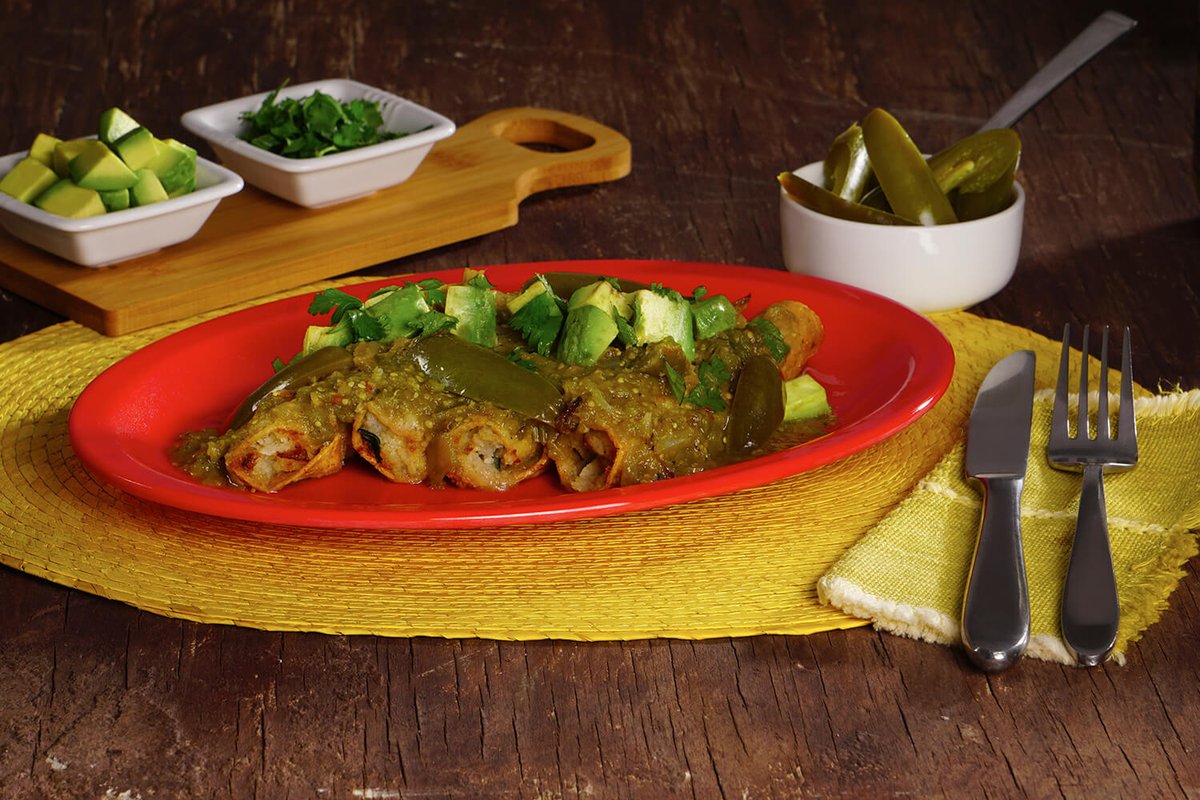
(480, 281)
(539, 321)
(315, 125)
(699, 292)
(366, 327)
(713, 378)
(625, 332)
(517, 356)
(675, 381)
(334, 300)
(435, 291)
(776, 345)
(433, 321)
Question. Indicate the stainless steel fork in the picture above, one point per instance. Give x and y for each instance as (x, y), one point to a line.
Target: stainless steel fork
(1090, 610)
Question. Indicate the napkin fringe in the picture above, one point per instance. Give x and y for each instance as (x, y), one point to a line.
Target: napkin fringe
(915, 622)
(924, 623)
(1177, 401)
(1155, 580)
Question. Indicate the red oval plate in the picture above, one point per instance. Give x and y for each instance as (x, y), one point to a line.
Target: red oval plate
(882, 365)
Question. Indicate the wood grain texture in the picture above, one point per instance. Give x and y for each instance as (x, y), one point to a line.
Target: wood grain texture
(256, 244)
(101, 700)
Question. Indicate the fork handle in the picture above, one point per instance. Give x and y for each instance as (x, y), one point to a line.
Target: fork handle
(995, 619)
(1090, 609)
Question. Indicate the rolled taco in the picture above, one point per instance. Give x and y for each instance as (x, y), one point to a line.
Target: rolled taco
(482, 446)
(393, 439)
(291, 441)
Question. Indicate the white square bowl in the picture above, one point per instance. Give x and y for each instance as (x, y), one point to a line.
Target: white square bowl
(329, 179)
(118, 235)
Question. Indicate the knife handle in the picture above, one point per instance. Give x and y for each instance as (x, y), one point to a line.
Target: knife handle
(995, 618)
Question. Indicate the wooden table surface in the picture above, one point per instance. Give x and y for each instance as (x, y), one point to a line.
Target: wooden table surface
(100, 700)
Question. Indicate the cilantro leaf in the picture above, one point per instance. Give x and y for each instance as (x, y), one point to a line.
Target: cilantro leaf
(713, 378)
(699, 292)
(675, 381)
(517, 356)
(539, 321)
(480, 281)
(435, 291)
(776, 345)
(334, 300)
(366, 327)
(625, 332)
(432, 322)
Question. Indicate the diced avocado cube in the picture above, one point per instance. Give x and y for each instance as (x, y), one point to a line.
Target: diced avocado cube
(714, 315)
(519, 300)
(115, 123)
(175, 165)
(187, 187)
(587, 333)
(663, 314)
(116, 200)
(147, 189)
(138, 149)
(804, 398)
(28, 179)
(475, 310)
(64, 152)
(398, 310)
(97, 167)
(42, 148)
(68, 200)
(318, 336)
(187, 150)
(603, 295)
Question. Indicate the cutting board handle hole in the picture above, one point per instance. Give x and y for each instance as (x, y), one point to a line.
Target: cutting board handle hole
(543, 135)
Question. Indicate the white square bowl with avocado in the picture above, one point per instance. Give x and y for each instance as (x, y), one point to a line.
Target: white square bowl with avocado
(105, 239)
(326, 179)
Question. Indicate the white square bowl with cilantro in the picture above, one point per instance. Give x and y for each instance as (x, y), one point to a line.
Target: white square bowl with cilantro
(315, 174)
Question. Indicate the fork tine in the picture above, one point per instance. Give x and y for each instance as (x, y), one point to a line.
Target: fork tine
(1103, 424)
(1081, 425)
(1059, 426)
(1126, 432)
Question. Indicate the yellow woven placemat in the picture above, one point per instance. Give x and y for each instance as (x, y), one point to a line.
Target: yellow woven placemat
(742, 564)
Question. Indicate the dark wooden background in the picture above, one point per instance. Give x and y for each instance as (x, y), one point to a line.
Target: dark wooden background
(99, 700)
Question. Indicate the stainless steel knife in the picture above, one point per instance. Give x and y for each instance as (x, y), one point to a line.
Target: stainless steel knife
(995, 618)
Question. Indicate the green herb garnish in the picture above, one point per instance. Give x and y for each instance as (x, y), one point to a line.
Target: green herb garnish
(315, 125)
(539, 321)
(347, 307)
(432, 322)
(712, 378)
(776, 345)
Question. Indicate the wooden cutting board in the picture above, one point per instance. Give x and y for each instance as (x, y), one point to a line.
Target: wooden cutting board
(254, 243)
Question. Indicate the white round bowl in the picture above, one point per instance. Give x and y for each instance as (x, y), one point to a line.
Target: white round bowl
(927, 268)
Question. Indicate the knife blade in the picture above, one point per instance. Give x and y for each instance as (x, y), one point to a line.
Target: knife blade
(995, 618)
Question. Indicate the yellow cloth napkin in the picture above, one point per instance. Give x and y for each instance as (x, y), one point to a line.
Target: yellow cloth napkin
(908, 574)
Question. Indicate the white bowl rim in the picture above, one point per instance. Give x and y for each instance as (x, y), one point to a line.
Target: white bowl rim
(1015, 207)
(196, 121)
(227, 183)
